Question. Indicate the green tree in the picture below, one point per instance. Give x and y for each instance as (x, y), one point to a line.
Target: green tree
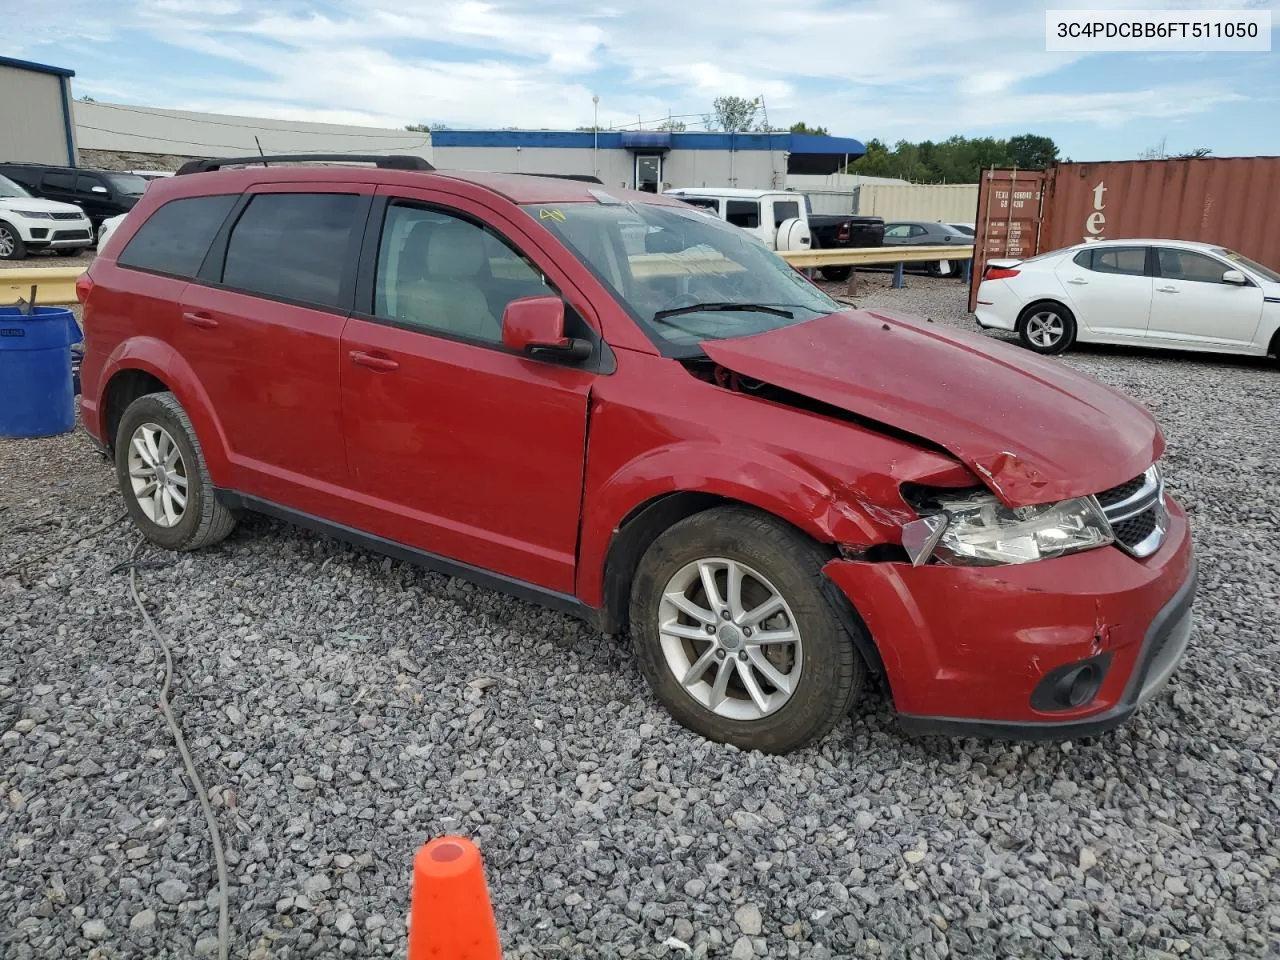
(802, 127)
(1031, 152)
(425, 127)
(672, 126)
(733, 114)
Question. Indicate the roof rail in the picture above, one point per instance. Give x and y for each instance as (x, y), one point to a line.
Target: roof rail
(385, 161)
(582, 177)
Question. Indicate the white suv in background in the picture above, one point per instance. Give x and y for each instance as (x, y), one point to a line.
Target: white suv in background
(28, 224)
(776, 217)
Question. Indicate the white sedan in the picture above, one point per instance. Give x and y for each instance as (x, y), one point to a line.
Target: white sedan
(1155, 293)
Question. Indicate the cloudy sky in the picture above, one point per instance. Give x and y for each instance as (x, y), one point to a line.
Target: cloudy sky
(863, 68)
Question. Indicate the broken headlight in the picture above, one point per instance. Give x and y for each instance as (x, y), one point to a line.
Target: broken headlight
(975, 529)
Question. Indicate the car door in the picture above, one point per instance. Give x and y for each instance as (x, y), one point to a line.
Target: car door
(1192, 307)
(93, 194)
(1109, 290)
(261, 329)
(457, 446)
(896, 234)
(56, 185)
(746, 214)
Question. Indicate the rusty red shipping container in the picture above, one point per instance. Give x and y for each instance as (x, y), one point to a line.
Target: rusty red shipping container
(1229, 201)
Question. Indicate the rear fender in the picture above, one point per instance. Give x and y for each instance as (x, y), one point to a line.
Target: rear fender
(161, 361)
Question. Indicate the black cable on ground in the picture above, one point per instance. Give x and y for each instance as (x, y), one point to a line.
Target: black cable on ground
(219, 856)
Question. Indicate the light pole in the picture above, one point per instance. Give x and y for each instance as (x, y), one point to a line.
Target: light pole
(595, 129)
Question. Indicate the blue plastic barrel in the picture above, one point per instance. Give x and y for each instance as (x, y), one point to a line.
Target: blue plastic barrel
(37, 397)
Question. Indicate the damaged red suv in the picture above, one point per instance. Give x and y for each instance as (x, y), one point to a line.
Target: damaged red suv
(616, 405)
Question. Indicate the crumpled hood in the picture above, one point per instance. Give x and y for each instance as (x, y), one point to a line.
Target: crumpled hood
(1033, 429)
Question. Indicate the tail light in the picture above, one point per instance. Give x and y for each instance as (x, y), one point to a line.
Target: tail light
(843, 233)
(999, 273)
(84, 287)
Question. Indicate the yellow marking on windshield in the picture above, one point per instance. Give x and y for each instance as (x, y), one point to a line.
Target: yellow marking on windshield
(552, 214)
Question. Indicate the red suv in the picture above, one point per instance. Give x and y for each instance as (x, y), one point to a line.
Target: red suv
(616, 405)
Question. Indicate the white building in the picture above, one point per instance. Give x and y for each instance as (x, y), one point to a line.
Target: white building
(650, 160)
(107, 130)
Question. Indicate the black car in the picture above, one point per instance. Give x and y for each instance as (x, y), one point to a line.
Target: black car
(99, 193)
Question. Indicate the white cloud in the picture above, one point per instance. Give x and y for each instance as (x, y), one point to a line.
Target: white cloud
(875, 68)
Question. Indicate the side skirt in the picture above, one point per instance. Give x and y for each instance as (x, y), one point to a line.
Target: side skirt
(562, 602)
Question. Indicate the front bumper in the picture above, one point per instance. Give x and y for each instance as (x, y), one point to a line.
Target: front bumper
(965, 648)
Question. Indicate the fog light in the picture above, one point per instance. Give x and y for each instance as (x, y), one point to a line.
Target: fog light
(39, 233)
(1072, 685)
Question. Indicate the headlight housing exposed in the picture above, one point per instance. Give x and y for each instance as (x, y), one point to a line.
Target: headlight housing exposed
(973, 528)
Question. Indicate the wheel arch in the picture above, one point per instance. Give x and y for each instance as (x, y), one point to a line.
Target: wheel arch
(648, 521)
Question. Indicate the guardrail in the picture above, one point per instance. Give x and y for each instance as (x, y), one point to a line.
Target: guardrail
(877, 256)
(55, 286)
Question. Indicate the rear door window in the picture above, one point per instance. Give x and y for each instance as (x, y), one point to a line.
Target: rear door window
(1130, 261)
(744, 213)
(294, 246)
(784, 210)
(175, 238)
(59, 181)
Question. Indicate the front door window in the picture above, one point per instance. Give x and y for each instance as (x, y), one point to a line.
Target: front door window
(649, 173)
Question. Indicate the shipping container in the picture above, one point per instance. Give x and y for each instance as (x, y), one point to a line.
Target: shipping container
(1228, 201)
(945, 202)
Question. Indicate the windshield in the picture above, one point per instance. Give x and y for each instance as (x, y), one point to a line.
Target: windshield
(10, 189)
(128, 184)
(685, 275)
(1265, 272)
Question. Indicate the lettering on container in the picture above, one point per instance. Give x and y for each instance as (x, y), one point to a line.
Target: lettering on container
(1096, 222)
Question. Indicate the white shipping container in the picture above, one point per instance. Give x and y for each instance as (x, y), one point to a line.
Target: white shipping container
(946, 202)
(830, 201)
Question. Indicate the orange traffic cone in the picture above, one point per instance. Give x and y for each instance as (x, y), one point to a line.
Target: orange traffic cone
(450, 917)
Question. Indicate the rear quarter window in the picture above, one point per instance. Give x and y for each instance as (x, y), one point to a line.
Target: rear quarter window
(743, 213)
(176, 237)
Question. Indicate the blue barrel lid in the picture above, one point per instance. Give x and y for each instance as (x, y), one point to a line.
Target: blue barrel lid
(48, 328)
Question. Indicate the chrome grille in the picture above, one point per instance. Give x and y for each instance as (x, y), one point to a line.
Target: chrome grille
(1135, 509)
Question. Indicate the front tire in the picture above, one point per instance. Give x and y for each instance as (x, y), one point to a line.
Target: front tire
(734, 636)
(11, 245)
(1047, 328)
(163, 478)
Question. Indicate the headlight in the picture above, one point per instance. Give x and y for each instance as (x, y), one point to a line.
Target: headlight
(976, 529)
(34, 214)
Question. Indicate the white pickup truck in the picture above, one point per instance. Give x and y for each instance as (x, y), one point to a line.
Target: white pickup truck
(776, 217)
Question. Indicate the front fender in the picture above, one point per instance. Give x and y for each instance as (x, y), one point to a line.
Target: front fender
(161, 361)
(772, 483)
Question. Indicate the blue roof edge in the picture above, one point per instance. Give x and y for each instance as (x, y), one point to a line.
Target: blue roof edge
(37, 67)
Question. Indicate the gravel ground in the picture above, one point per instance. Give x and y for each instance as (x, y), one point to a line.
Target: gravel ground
(46, 258)
(343, 708)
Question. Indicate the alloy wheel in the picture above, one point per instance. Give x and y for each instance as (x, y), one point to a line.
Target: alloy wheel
(157, 475)
(6, 242)
(1045, 329)
(730, 639)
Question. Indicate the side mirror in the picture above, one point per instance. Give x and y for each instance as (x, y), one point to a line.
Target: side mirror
(98, 189)
(1234, 276)
(534, 326)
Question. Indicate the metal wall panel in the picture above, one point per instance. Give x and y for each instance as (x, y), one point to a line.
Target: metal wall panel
(32, 124)
(947, 202)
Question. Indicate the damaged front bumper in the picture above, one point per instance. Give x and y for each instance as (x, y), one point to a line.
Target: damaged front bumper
(976, 651)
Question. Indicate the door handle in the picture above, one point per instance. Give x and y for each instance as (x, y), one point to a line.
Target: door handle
(1078, 281)
(1167, 289)
(201, 320)
(381, 364)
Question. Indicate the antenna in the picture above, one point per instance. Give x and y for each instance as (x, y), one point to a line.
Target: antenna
(260, 152)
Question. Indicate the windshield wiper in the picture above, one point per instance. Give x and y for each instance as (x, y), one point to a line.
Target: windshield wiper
(716, 307)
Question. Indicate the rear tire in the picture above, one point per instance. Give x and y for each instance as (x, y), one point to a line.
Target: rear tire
(776, 695)
(836, 274)
(11, 245)
(1047, 328)
(163, 477)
